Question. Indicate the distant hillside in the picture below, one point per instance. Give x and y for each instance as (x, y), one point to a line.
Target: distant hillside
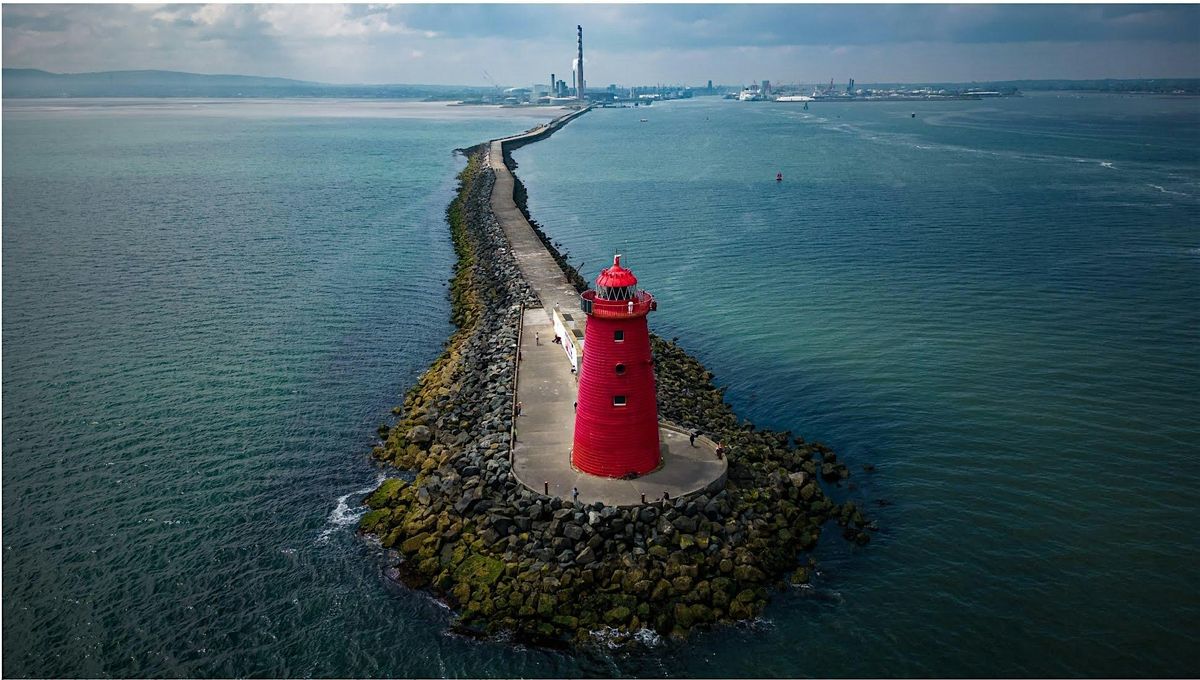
(21, 82)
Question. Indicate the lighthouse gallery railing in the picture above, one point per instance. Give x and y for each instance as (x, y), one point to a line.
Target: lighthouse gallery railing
(642, 303)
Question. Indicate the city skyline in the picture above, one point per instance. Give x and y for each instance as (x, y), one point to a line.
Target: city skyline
(627, 44)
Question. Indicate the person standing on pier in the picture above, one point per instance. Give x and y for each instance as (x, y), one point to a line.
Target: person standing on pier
(692, 437)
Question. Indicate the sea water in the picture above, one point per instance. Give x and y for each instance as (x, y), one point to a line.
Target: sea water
(209, 306)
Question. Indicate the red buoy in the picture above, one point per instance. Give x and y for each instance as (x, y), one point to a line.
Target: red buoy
(616, 420)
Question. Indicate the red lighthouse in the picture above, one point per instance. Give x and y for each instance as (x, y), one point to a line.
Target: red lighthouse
(616, 419)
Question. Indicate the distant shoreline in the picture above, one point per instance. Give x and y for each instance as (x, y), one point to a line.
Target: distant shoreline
(22, 83)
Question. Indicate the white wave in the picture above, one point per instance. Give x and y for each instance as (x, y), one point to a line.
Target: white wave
(609, 637)
(1168, 191)
(617, 639)
(647, 637)
(759, 623)
(343, 515)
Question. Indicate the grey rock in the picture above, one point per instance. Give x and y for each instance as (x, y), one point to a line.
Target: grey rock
(468, 499)
(712, 510)
(647, 515)
(420, 435)
(586, 557)
(685, 524)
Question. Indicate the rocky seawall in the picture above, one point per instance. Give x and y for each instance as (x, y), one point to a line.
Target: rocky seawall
(510, 560)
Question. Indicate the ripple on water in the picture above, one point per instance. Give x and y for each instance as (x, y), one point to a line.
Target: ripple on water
(1010, 340)
(200, 340)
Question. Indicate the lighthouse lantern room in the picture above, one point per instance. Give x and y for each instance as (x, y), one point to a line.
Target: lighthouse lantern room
(616, 417)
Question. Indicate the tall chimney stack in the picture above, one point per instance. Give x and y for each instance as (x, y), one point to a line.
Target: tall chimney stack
(579, 83)
(553, 92)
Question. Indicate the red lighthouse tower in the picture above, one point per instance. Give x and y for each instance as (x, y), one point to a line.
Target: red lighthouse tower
(616, 420)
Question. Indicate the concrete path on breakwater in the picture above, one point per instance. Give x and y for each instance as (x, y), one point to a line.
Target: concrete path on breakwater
(547, 388)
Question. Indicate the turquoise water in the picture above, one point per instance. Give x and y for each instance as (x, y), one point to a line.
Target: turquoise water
(208, 307)
(995, 303)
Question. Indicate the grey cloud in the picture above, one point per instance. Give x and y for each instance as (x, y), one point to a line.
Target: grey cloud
(447, 43)
(41, 22)
(755, 25)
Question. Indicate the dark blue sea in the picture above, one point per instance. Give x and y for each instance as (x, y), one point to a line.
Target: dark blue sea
(208, 307)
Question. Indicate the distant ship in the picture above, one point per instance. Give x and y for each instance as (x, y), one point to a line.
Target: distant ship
(749, 96)
(795, 98)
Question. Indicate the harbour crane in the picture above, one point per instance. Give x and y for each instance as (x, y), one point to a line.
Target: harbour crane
(492, 80)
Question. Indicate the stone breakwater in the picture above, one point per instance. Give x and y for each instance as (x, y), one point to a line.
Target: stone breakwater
(509, 560)
(520, 196)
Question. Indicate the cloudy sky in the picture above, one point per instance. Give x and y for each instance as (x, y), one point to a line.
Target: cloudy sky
(625, 44)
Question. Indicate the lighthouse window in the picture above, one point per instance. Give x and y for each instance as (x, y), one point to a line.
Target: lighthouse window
(618, 336)
(620, 369)
(619, 400)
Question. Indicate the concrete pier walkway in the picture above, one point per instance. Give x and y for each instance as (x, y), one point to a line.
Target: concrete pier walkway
(547, 387)
(537, 264)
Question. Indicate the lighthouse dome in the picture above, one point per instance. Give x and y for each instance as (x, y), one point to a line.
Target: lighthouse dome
(616, 282)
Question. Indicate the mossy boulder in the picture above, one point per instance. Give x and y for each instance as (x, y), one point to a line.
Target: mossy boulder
(566, 622)
(412, 545)
(739, 610)
(617, 615)
(392, 537)
(546, 605)
(479, 570)
(386, 493)
(370, 520)
(689, 616)
(661, 590)
(747, 573)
